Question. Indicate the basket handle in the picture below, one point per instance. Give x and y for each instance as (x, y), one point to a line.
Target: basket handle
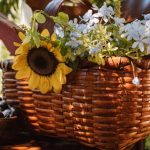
(9, 33)
(53, 8)
(130, 13)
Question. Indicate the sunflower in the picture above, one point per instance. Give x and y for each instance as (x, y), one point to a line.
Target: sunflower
(43, 67)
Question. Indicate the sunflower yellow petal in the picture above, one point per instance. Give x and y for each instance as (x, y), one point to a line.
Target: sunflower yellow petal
(20, 62)
(44, 85)
(65, 69)
(57, 86)
(19, 50)
(21, 36)
(19, 66)
(34, 80)
(58, 55)
(19, 58)
(45, 33)
(23, 49)
(23, 73)
(43, 44)
(60, 76)
(53, 37)
(16, 44)
(50, 85)
(49, 46)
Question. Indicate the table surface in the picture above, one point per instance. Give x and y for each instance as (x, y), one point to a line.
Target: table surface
(30, 142)
(26, 141)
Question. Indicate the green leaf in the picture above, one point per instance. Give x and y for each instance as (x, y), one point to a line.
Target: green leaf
(64, 50)
(36, 38)
(61, 19)
(27, 38)
(74, 64)
(40, 18)
(63, 16)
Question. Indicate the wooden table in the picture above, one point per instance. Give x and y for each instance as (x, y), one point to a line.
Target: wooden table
(33, 142)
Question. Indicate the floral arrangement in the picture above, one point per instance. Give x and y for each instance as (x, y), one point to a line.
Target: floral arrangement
(45, 60)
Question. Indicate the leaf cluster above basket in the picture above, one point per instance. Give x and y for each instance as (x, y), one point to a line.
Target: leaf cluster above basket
(100, 36)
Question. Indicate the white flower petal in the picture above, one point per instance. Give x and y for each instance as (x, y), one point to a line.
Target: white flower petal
(129, 38)
(87, 15)
(94, 21)
(141, 47)
(96, 15)
(146, 41)
(135, 44)
(147, 17)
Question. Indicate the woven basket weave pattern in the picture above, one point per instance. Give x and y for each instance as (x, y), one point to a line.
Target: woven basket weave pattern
(9, 85)
(27, 104)
(98, 107)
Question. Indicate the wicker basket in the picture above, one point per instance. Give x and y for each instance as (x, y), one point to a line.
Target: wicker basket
(27, 105)
(107, 112)
(9, 84)
(99, 107)
(17, 94)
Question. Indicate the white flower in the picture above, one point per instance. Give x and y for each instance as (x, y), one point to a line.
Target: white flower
(119, 21)
(74, 43)
(132, 30)
(88, 15)
(84, 28)
(140, 42)
(93, 21)
(26, 15)
(59, 31)
(105, 12)
(136, 81)
(94, 49)
(73, 22)
(89, 18)
(87, 29)
(147, 26)
(147, 17)
(81, 27)
(75, 34)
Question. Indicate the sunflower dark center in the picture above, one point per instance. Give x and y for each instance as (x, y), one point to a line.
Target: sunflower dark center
(42, 61)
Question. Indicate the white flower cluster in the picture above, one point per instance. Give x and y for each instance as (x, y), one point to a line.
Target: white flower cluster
(89, 21)
(139, 32)
(102, 34)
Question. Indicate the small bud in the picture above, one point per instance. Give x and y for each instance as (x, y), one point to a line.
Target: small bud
(136, 81)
